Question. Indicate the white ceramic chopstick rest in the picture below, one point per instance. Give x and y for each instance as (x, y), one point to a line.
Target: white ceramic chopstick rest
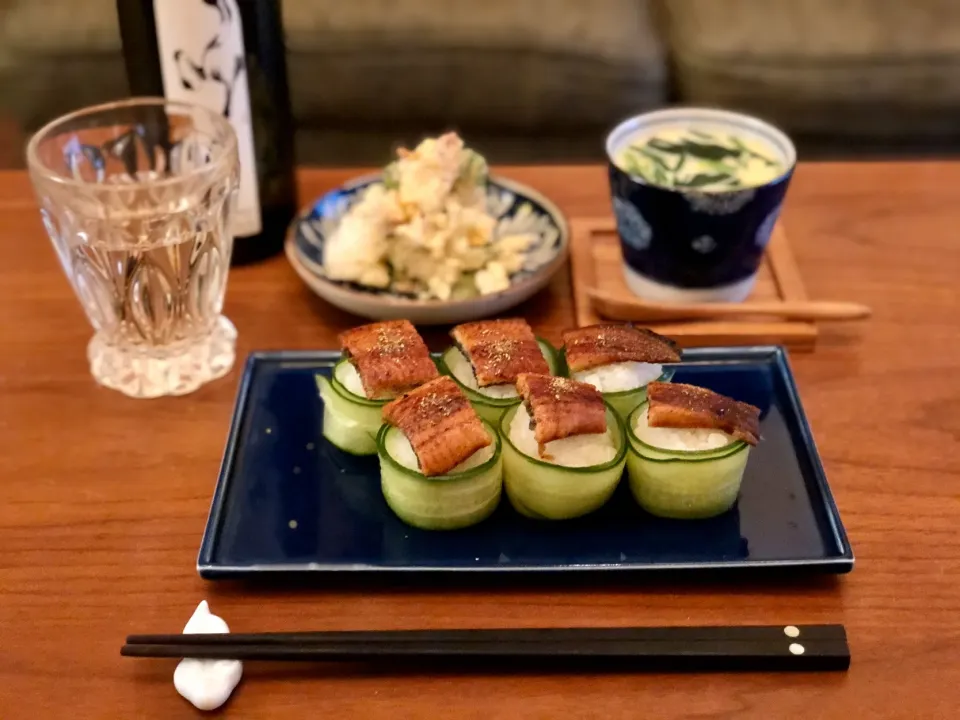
(207, 684)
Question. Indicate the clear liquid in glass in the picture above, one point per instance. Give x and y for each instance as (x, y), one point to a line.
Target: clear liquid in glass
(141, 229)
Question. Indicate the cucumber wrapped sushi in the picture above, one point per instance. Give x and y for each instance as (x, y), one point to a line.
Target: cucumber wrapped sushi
(564, 448)
(619, 360)
(487, 358)
(688, 450)
(381, 361)
(440, 465)
(350, 421)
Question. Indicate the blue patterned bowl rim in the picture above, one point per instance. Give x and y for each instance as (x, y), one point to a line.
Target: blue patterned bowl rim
(306, 249)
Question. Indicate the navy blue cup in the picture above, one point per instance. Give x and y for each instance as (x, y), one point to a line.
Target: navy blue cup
(682, 245)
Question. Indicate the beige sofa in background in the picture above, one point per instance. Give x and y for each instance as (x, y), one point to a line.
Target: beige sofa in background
(542, 80)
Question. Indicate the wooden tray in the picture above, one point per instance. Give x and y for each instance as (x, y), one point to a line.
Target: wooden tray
(595, 253)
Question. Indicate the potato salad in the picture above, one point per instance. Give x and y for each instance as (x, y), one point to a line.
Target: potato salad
(426, 230)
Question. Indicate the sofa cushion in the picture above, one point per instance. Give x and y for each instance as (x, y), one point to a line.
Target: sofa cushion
(498, 63)
(60, 26)
(58, 56)
(618, 30)
(881, 68)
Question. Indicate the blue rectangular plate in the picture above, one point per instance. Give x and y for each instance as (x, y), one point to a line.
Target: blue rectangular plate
(289, 502)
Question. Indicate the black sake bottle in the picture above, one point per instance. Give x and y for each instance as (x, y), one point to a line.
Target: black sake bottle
(229, 56)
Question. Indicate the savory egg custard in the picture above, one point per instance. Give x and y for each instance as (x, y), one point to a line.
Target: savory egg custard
(700, 158)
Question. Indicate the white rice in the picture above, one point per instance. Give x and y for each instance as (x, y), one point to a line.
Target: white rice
(573, 451)
(618, 377)
(463, 371)
(349, 377)
(687, 439)
(402, 451)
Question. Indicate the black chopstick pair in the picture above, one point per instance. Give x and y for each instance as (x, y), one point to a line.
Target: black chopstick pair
(792, 647)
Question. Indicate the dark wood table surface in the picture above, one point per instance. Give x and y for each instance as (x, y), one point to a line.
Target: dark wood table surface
(103, 499)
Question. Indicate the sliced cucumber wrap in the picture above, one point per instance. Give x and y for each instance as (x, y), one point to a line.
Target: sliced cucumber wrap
(440, 502)
(551, 355)
(684, 484)
(489, 408)
(540, 489)
(346, 434)
(350, 421)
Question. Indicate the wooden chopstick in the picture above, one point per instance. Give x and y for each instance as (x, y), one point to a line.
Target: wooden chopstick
(816, 647)
(615, 307)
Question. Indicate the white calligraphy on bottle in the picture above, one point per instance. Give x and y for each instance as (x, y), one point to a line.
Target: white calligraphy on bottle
(202, 61)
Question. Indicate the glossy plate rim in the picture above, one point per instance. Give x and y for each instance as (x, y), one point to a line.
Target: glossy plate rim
(341, 294)
(839, 563)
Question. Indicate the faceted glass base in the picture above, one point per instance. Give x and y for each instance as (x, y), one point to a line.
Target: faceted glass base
(142, 374)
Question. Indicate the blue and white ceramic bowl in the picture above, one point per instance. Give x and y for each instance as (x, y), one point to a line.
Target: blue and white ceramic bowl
(518, 209)
(683, 245)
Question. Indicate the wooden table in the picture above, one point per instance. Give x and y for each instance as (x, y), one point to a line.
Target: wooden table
(103, 499)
